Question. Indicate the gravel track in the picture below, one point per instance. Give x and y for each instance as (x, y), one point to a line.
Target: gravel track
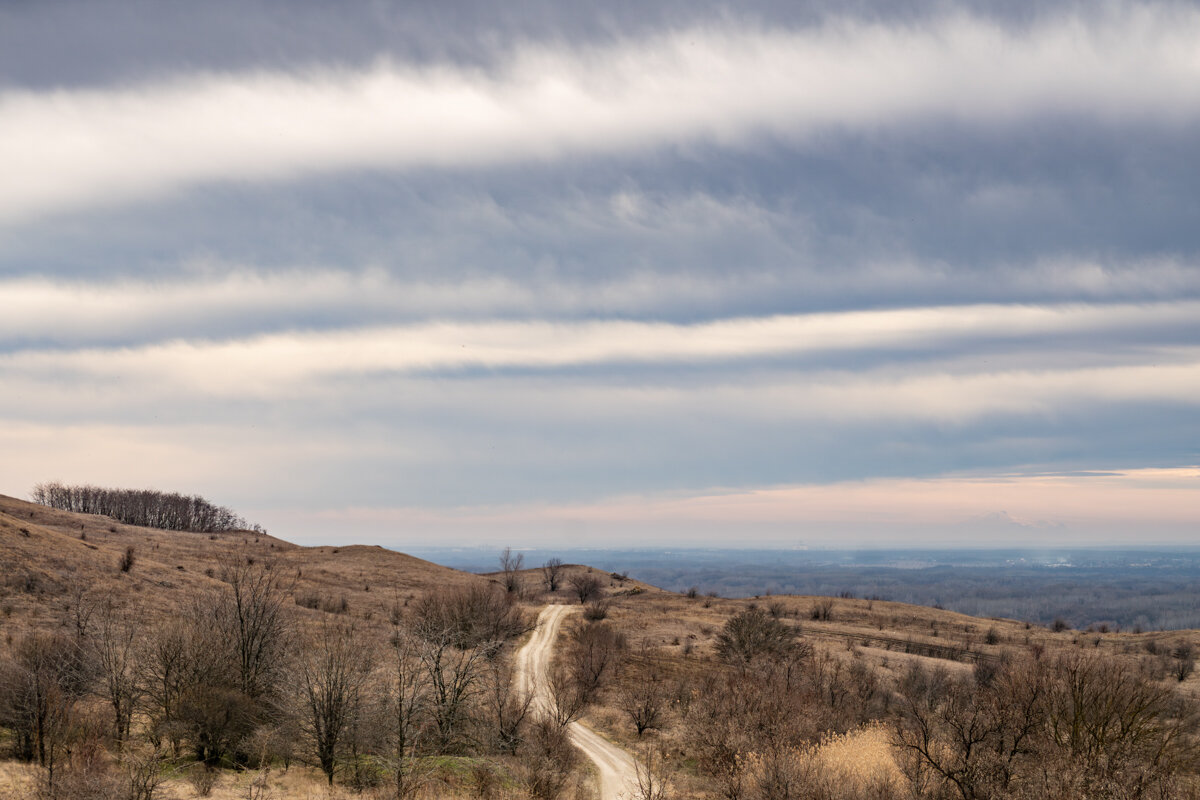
(614, 767)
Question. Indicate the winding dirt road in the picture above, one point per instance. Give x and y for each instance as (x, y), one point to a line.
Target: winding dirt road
(614, 766)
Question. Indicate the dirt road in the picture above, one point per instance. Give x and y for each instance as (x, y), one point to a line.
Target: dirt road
(613, 765)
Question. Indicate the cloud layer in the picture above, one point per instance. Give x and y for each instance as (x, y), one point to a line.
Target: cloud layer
(86, 146)
(672, 270)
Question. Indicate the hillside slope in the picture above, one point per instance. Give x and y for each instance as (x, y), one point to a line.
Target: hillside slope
(48, 555)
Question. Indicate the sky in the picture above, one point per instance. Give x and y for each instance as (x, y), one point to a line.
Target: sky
(777, 274)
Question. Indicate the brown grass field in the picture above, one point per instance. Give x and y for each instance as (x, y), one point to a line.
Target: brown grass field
(47, 555)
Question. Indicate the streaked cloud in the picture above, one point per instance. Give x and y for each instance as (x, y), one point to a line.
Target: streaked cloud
(1087, 510)
(668, 271)
(289, 359)
(81, 147)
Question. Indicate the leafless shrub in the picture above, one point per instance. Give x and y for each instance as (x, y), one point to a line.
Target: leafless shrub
(548, 760)
(596, 610)
(1184, 656)
(145, 772)
(203, 779)
(753, 633)
(468, 616)
(338, 605)
(126, 561)
(821, 609)
(85, 775)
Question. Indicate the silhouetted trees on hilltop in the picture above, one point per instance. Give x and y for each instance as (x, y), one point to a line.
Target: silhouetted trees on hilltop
(149, 508)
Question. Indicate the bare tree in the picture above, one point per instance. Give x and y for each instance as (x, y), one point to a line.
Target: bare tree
(552, 574)
(642, 701)
(332, 675)
(407, 700)
(163, 675)
(507, 707)
(455, 680)
(648, 769)
(593, 656)
(253, 612)
(1121, 729)
(971, 740)
(40, 686)
(146, 507)
(585, 586)
(567, 697)
(116, 658)
(82, 604)
(511, 564)
(238, 652)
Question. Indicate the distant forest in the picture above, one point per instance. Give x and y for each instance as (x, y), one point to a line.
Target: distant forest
(1122, 598)
(1123, 589)
(149, 508)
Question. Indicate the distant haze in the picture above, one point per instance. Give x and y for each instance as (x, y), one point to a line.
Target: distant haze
(851, 274)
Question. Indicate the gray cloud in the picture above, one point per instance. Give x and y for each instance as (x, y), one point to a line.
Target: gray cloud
(436, 263)
(546, 102)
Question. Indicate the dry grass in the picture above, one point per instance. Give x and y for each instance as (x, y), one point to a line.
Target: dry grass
(19, 781)
(860, 758)
(46, 552)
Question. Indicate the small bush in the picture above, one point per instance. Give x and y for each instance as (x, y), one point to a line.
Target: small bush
(753, 633)
(202, 779)
(126, 562)
(822, 610)
(596, 610)
(339, 606)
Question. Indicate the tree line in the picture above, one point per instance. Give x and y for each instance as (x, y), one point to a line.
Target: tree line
(148, 508)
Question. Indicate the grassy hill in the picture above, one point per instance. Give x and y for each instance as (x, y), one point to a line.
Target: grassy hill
(830, 704)
(50, 555)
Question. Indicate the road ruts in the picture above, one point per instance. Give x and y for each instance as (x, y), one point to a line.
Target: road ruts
(614, 767)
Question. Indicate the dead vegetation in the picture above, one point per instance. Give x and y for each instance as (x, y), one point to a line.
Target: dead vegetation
(238, 665)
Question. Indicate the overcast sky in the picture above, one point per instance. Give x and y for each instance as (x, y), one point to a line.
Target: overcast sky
(852, 273)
